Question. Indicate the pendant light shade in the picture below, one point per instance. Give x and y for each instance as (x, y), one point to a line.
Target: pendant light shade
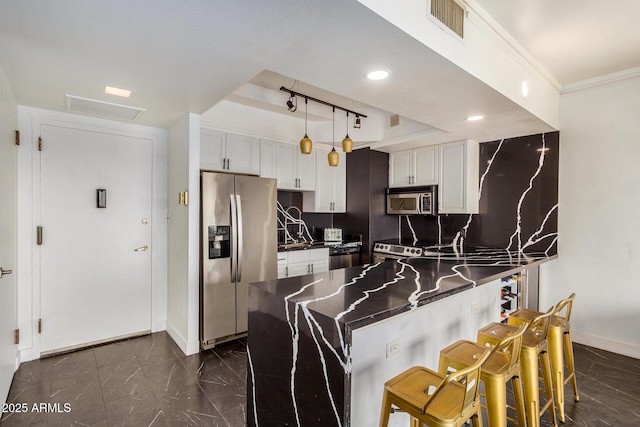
(347, 143)
(305, 142)
(333, 156)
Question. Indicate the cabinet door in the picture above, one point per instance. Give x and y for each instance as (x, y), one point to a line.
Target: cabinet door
(268, 158)
(323, 196)
(243, 154)
(320, 266)
(400, 165)
(340, 186)
(212, 152)
(458, 186)
(306, 170)
(425, 165)
(299, 269)
(286, 166)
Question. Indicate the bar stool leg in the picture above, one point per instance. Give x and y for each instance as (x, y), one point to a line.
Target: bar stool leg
(386, 410)
(518, 394)
(496, 394)
(557, 368)
(529, 366)
(548, 389)
(571, 368)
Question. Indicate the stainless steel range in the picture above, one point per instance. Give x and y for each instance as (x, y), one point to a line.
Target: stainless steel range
(385, 250)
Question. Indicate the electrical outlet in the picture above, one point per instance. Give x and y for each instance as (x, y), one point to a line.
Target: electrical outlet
(475, 309)
(393, 347)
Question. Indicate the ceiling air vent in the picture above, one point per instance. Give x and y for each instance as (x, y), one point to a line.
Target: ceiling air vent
(450, 13)
(94, 107)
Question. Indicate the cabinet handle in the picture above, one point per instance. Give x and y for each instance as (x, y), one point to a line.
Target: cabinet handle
(311, 268)
(308, 268)
(286, 271)
(228, 164)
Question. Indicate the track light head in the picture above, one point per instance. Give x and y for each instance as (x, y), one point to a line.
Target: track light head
(356, 123)
(290, 105)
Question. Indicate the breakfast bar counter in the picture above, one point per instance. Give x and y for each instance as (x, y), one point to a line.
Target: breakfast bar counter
(321, 346)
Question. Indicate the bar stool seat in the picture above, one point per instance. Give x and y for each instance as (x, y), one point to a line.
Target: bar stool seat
(502, 365)
(434, 399)
(534, 350)
(560, 348)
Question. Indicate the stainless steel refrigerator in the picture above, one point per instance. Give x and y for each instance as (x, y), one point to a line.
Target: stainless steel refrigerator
(238, 246)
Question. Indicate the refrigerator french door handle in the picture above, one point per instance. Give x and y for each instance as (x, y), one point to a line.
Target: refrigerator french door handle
(234, 238)
(240, 237)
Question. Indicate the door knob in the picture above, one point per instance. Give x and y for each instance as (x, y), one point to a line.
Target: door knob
(141, 248)
(3, 272)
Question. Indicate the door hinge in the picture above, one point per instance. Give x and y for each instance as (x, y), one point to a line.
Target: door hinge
(39, 143)
(39, 235)
(39, 326)
(17, 137)
(16, 336)
(183, 198)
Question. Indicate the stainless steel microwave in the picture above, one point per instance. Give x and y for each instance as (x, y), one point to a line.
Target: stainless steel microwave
(408, 202)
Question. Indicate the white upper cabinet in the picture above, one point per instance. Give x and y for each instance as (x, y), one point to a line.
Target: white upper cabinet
(268, 158)
(294, 170)
(414, 167)
(459, 175)
(331, 186)
(229, 152)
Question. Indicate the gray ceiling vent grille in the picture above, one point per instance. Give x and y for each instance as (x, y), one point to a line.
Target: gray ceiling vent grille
(450, 13)
(94, 107)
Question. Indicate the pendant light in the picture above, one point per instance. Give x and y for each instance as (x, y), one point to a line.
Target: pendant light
(305, 143)
(347, 143)
(333, 154)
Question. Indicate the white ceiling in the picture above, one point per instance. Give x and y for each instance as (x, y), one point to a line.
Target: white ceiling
(574, 40)
(181, 57)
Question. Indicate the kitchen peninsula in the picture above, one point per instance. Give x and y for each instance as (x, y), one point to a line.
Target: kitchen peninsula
(321, 346)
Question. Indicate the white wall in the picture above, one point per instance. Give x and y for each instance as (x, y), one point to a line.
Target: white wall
(599, 231)
(184, 225)
(29, 123)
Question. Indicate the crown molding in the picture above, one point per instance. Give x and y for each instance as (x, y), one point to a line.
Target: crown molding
(632, 73)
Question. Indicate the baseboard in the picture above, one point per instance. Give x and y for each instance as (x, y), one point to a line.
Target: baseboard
(626, 349)
(188, 348)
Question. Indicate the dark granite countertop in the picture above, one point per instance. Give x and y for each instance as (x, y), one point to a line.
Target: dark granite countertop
(362, 295)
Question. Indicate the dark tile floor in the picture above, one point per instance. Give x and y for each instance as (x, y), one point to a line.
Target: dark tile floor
(147, 381)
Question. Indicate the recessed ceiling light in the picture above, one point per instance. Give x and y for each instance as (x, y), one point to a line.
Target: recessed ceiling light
(474, 118)
(117, 91)
(378, 74)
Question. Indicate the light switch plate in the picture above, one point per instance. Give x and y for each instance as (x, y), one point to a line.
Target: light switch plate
(393, 347)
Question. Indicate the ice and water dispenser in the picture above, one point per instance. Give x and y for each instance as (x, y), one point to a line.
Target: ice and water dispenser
(219, 241)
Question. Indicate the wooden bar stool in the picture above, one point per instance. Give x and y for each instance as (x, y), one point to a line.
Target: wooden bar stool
(560, 348)
(434, 399)
(534, 349)
(502, 365)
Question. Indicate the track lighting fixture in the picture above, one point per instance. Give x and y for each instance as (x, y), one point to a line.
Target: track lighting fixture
(333, 156)
(347, 143)
(305, 143)
(290, 105)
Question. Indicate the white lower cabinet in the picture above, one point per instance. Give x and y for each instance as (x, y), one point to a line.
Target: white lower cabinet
(301, 262)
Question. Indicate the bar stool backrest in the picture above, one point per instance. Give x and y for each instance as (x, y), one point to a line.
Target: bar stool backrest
(562, 313)
(540, 324)
(469, 377)
(512, 344)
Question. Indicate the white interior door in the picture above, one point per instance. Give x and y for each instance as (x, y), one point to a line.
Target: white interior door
(7, 257)
(95, 262)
